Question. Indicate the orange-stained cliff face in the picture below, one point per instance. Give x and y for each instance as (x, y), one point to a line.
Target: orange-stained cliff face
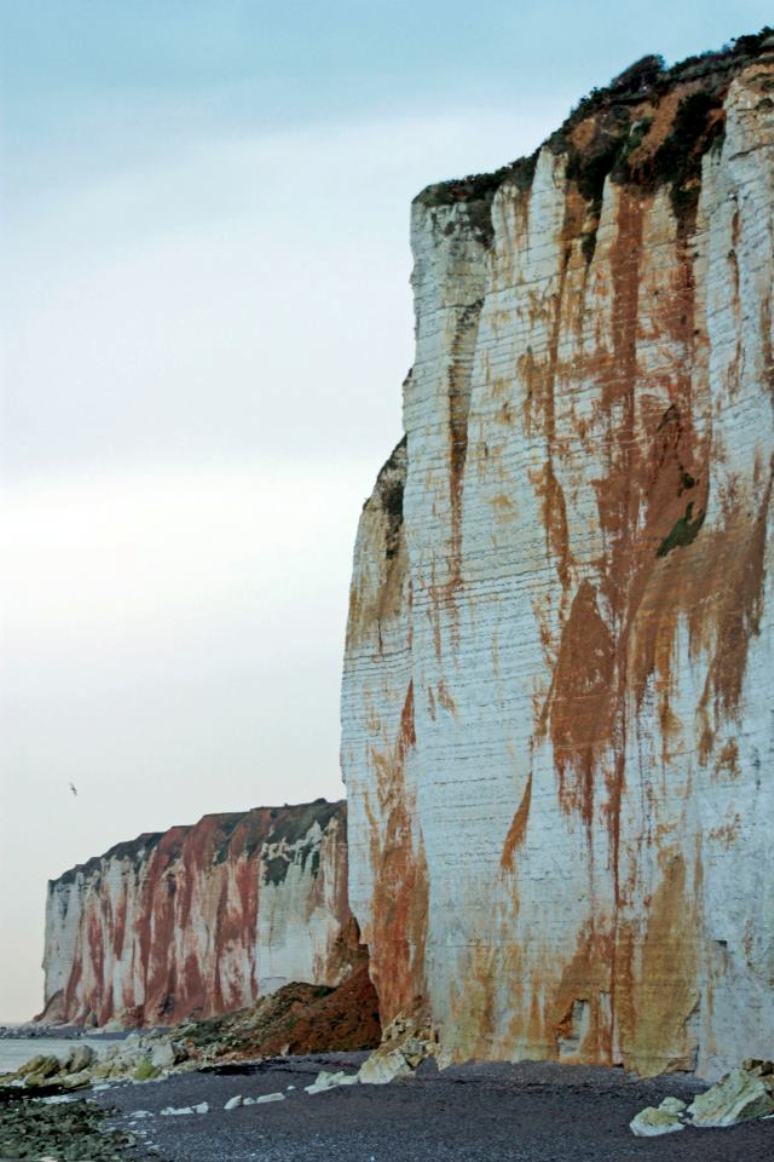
(557, 701)
(201, 920)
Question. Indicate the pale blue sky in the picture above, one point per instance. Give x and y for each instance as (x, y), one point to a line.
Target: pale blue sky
(204, 323)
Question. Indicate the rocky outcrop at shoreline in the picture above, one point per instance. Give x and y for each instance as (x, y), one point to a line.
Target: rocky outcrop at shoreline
(298, 1018)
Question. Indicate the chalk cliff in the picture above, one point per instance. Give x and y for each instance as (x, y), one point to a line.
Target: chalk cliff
(200, 920)
(557, 695)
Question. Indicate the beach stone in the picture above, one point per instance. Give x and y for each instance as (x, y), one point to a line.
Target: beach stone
(652, 1123)
(233, 1103)
(327, 1080)
(166, 1053)
(267, 1097)
(79, 1058)
(77, 1080)
(672, 1105)
(163, 1055)
(738, 1097)
(41, 1066)
(202, 1108)
(31, 1065)
(173, 1112)
(385, 1068)
(407, 1042)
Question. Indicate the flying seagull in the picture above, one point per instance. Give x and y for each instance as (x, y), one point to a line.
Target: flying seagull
(73, 788)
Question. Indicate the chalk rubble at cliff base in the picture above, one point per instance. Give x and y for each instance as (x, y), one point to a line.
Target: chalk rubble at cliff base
(406, 1043)
(742, 1095)
(297, 1019)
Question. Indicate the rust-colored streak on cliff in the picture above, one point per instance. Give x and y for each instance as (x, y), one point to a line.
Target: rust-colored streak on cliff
(517, 831)
(398, 930)
(582, 701)
(200, 920)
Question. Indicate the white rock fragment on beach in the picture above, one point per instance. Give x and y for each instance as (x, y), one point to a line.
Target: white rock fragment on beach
(265, 1097)
(738, 1097)
(406, 1043)
(326, 1080)
(233, 1103)
(652, 1123)
(672, 1105)
(163, 1055)
(171, 1112)
(79, 1059)
(141, 1114)
(202, 1108)
(382, 1069)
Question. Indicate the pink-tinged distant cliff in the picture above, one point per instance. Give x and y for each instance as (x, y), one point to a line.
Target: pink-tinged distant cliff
(557, 700)
(202, 919)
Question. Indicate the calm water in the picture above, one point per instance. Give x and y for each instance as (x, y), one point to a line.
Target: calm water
(14, 1053)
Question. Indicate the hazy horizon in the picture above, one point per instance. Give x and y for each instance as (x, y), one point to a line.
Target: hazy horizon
(205, 323)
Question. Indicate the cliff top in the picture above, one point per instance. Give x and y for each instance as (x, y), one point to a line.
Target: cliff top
(230, 833)
(650, 125)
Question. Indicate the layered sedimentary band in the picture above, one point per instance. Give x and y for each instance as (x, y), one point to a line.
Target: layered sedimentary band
(200, 920)
(557, 698)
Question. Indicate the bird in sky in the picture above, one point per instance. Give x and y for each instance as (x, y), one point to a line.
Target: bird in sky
(74, 789)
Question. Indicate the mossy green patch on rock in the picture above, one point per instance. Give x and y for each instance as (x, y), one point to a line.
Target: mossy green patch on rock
(146, 1071)
(683, 532)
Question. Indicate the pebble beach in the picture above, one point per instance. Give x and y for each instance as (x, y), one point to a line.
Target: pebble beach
(528, 1112)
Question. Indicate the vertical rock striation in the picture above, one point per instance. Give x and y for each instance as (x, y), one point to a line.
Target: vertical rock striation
(200, 920)
(557, 706)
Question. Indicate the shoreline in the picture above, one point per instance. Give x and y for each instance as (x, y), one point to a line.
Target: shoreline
(478, 1112)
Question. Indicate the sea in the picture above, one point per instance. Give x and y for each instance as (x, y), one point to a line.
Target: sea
(14, 1051)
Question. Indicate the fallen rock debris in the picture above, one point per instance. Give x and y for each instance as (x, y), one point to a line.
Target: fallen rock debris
(739, 1096)
(407, 1042)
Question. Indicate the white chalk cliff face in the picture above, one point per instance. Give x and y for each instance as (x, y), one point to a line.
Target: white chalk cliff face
(200, 920)
(557, 698)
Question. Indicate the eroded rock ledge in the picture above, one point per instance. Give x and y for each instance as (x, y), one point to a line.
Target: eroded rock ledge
(557, 713)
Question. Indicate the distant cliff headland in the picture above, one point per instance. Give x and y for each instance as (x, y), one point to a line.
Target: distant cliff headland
(201, 920)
